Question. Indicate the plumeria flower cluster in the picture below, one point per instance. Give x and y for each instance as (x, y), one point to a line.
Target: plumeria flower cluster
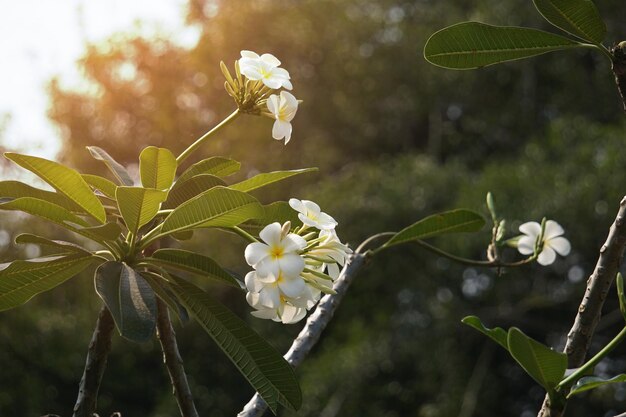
(257, 78)
(546, 241)
(293, 268)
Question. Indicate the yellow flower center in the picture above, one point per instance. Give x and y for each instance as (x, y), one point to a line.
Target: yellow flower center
(276, 252)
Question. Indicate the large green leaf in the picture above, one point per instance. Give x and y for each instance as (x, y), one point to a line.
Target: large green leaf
(138, 205)
(64, 246)
(473, 45)
(188, 189)
(101, 184)
(497, 334)
(216, 165)
(45, 210)
(159, 286)
(130, 299)
(157, 167)
(578, 17)
(590, 382)
(192, 262)
(266, 370)
(279, 211)
(10, 190)
(217, 207)
(65, 180)
(21, 280)
(267, 178)
(543, 364)
(115, 167)
(102, 233)
(453, 221)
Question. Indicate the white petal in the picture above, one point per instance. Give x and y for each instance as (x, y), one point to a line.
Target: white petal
(280, 73)
(249, 54)
(297, 205)
(306, 220)
(272, 82)
(269, 297)
(270, 59)
(526, 245)
(251, 72)
(547, 256)
(292, 287)
(553, 229)
(281, 130)
(252, 283)
(532, 229)
(289, 99)
(253, 299)
(560, 244)
(292, 242)
(267, 266)
(333, 271)
(271, 234)
(291, 265)
(291, 314)
(266, 313)
(312, 207)
(326, 222)
(255, 252)
(287, 84)
(272, 104)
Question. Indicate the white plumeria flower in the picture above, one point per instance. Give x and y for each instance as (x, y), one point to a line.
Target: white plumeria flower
(272, 289)
(278, 256)
(333, 250)
(264, 68)
(283, 108)
(310, 214)
(553, 242)
(284, 312)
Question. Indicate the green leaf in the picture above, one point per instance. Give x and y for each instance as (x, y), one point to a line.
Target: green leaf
(264, 179)
(26, 238)
(63, 179)
(158, 285)
(619, 284)
(454, 221)
(188, 189)
(590, 382)
(102, 233)
(14, 189)
(138, 205)
(497, 334)
(279, 211)
(543, 364)
(115, 167)
(264, 368)
(130, 299)
(473, 45)
(216, 165)
(101, 184)
(192, 262)
(157, 167)
(217, 207)
(22, 280)
(45, 210)
(577, 17)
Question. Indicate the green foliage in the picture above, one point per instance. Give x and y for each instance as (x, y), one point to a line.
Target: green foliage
(22, 280)
(453, 221)
(115, 167)
(216, 165)
(590, 382)
(157, 167)
(130, 300)
(472, 45)
(185, 190)
(497, 334)
(619, 286)
(577, 17)
(259, 362)
(138, 205)
(264, 179)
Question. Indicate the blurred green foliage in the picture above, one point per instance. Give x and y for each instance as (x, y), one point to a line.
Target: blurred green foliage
(395, 140)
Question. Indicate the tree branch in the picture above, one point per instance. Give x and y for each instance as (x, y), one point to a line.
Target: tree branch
(618, 66)
(590, 309)
(315, 325)
(97, 354)
(174, 362)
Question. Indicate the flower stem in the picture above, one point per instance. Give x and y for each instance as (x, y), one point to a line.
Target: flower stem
(593, 361)
(206, 136)
(243, 234)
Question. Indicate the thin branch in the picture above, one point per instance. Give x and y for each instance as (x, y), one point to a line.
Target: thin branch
(618, 55)
(590, 309)
(174, 362)
(315, 325)
(97, 354)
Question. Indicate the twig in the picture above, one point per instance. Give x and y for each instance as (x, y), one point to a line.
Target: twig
(618, 66)
(590, 309)
(315, 325)
(174, 362)
(97, 354)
